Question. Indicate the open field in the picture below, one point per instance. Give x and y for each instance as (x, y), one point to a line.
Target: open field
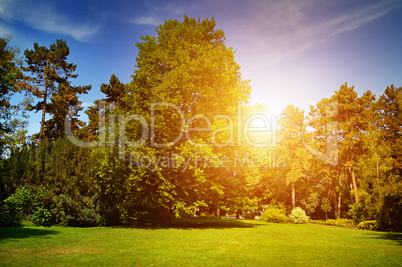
(200, 243)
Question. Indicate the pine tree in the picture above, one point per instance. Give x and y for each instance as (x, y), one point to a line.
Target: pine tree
(50, 81)
(98, 113)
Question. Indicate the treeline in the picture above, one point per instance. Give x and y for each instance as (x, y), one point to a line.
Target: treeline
(181, 140)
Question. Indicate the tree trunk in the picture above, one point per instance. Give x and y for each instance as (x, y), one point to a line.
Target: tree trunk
(338, 205)
(338, 216)
(352, 175)
(166, 214)
(293, 196)
(42, 123)
(195, 211)
(350, 189)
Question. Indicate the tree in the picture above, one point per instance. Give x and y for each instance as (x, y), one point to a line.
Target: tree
(98, 113)
(115, 91)
(188, 68)
(50, 80)
(326, 207)
(292, 148)
(11, 125)
(325, 138)
(390, 122)
(349, 131)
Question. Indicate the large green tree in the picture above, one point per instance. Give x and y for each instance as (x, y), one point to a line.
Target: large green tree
(184, 73)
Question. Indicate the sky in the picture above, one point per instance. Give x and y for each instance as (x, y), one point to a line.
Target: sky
(293, 51)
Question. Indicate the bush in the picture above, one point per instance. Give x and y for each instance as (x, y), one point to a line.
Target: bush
(368, 225)
(322, 222)
(42, 217)
(299, 216)
(8, 216)
(390, 218)
(275, 215)
(341, 222)
(86, 218)
(14, 208)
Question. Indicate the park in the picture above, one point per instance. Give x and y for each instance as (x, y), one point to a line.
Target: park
(169, 160)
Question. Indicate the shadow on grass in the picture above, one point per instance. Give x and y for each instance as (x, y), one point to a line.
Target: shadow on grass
(22, 232)
(188, 224)
(396, 237)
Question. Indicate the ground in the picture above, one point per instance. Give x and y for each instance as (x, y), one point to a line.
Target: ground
(200, 243)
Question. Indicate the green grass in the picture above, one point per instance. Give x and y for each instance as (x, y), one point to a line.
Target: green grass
(200, 243)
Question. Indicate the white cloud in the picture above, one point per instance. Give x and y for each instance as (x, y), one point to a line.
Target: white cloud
(45, 18)
(282, 29)
(158, 13)
(271, 38)
(343, 23)
(54, 23)
(4, 29)
(147, 20)
(4, 5)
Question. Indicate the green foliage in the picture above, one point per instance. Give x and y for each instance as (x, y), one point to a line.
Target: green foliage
(311, 203)
(16, 207)
(12, 116)
(50, 80)
(390, 218)
(358, 212)
(85, 218)
(322, 222)
(186, 65)
(368, 225)
(27, 204)
(9, 214)
(68, 189)
(298, 216)
(326, 205)
(72, 212)
(341, 222)
(42, 217)
(275, 215)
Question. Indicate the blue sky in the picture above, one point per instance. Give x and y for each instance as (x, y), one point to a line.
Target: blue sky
(293, 51)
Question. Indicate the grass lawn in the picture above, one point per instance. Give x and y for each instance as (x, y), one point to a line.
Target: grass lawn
(200, 243)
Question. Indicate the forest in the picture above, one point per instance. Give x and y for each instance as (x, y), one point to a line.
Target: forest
(181, 139)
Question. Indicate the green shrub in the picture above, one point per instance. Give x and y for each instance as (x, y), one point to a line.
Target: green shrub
(275, 215)
(14, 208)
(322, 222)
(341, 222)
(368, 225)
(8, 216)
(42, 217)
(86, 218)
(390, 217)
(299, 216)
